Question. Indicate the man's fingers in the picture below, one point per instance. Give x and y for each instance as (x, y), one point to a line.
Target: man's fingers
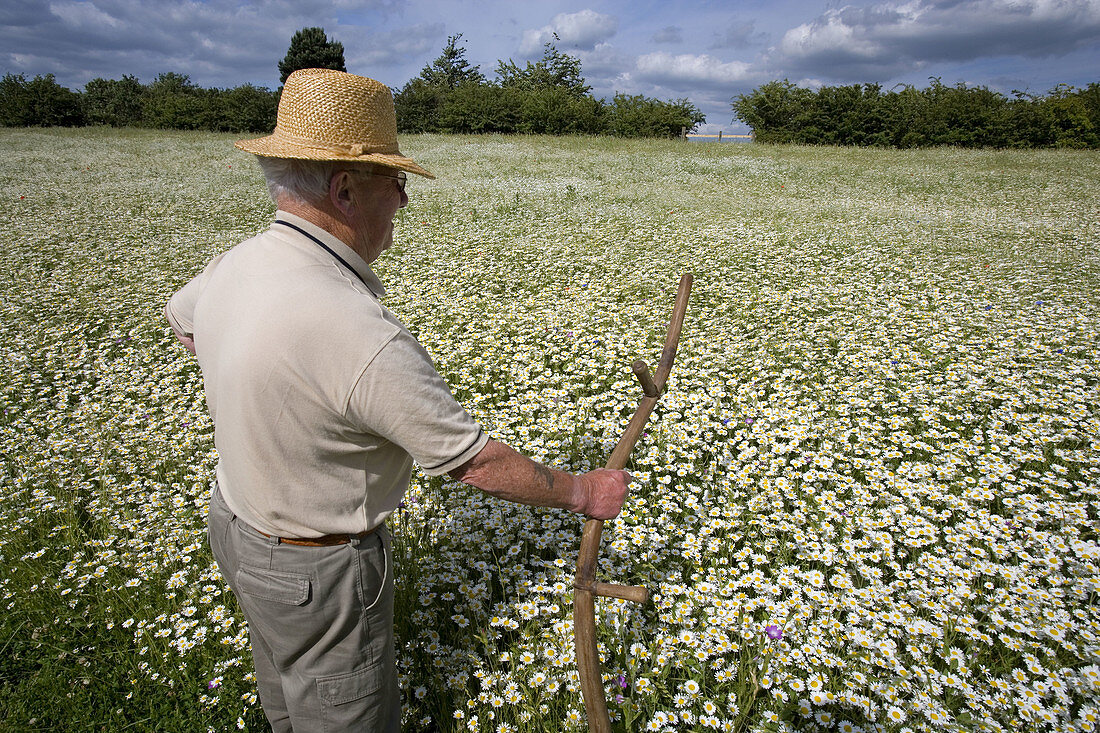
(609, 489)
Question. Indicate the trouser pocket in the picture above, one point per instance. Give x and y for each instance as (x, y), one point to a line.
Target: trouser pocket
(353, 701)
(375, 571)
(278, 586)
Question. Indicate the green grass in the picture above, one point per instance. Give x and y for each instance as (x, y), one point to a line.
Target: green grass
(881, 436)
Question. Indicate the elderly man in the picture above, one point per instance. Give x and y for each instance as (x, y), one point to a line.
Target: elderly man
(321, 401)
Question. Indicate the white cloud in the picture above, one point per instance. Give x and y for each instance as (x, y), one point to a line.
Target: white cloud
(830, 35)
(686, 70)
(584, 30)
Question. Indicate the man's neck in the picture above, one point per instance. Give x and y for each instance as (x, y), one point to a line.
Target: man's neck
(330, 221)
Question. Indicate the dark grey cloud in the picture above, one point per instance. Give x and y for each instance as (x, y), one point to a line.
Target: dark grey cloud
(669, 34)
(738, 35)
(216, 43)
(877, 42)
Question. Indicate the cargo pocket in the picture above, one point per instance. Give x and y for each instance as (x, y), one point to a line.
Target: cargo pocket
(352, 701)
(274, 585)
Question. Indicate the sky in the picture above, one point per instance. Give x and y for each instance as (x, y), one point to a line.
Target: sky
(706, 51)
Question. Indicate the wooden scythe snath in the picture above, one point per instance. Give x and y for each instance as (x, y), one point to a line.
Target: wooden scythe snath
(585, 585)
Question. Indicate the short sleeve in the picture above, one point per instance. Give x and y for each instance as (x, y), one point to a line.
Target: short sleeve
(401, 397)
(180, 310)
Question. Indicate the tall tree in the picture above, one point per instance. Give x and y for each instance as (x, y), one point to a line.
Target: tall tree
(451, 68)
(554, 69)
(310, 48)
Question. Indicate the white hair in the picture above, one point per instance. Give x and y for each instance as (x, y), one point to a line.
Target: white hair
(306, 181)
(302, 180)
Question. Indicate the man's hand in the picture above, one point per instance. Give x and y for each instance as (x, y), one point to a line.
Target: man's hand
(600, 494)
(187, 341)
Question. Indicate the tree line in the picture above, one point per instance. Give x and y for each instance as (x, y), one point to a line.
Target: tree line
(171, 101)
(939, 115)
(451, 96)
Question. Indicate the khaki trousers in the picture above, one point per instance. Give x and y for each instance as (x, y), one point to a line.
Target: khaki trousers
(321, 624)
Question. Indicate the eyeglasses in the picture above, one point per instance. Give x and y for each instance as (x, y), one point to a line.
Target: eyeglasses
(400, 177)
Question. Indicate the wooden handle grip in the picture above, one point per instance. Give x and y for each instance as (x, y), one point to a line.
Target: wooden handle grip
(634, 593)
(641, 371)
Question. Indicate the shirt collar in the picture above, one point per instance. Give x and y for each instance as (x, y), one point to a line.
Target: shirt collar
(346, 253)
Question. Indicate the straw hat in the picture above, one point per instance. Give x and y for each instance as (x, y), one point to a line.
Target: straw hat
(332, 115)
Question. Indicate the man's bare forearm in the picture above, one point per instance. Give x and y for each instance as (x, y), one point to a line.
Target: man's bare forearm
(508, 474)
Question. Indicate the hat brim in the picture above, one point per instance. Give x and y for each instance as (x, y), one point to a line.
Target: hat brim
(275, 146)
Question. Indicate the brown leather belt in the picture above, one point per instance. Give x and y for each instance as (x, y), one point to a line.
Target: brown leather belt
(327, 540)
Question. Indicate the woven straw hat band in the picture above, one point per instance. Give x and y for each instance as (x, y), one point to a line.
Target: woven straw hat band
(331, 115)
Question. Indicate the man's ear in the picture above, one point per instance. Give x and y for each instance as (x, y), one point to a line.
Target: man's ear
(339, 192)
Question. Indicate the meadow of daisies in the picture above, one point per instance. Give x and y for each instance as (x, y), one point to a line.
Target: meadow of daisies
(869, 500)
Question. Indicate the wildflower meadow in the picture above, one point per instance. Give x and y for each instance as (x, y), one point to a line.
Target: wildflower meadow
(868, 501)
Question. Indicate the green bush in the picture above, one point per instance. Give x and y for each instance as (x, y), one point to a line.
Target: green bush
(641, 116)
(476, 108)
(113, 102)
(960, 116)
(40, 102)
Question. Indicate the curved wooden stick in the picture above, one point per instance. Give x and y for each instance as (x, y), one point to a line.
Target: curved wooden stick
(585, 585)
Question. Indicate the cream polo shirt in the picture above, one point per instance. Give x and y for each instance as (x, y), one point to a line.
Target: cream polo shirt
(320, 396)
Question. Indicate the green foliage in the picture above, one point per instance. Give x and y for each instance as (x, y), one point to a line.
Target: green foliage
(310, 48)
(114, 102)
(478, 108)
(1075, 116)
(40, 102)
(771, 110)
(417, 105)
(960, 116)
(445, 93)
(555, 110)
(245, 109)
(641, 116)
(172, 102)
